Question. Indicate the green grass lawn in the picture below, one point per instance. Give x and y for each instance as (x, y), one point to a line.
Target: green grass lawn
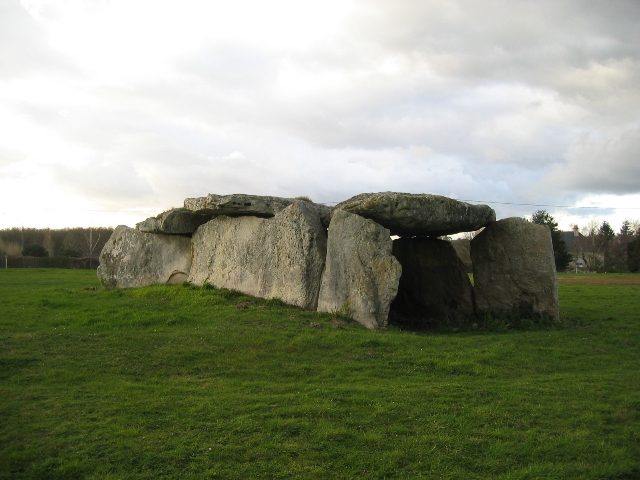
(177, 381)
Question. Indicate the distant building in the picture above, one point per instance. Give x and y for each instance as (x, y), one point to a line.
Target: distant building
(583, 256)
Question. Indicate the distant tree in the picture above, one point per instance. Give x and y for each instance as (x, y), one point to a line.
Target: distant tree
(593, 243)
(561, 256)
(633, 254)
(35, 250)
(606, 233)
(84, 240)
(92, 243)
(47, 242)
(617, 253)
(69, 251)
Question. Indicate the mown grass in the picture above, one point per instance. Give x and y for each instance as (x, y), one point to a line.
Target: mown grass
(177, 381)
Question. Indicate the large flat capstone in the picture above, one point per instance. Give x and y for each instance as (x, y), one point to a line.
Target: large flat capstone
(361, 276)
(177, 221)
(408, 214)
(238, 204)
(279, 257)
(131, 258)
(434, 287)
(513, 264)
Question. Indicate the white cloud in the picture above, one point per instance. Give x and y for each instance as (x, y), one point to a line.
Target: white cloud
(24, 48)
(237, 155)
(131, 104)
(9, 156)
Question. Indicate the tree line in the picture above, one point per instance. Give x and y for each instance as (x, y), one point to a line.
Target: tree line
(596, 246)
(45, 242)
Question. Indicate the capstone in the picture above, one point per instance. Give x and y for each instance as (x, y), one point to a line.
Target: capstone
(238, 204)
(174, 222)
(407, 214)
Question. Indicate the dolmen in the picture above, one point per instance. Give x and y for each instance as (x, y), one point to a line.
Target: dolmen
(376, 257)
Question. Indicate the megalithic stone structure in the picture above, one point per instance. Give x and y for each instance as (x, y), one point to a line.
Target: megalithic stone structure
(343, 259)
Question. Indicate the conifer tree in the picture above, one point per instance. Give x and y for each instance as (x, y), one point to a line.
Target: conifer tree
(561, 256)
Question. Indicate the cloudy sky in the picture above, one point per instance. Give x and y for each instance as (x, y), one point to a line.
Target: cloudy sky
(114, 110)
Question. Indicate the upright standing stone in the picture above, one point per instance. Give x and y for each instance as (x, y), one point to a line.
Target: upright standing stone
(279, 257)
(434, 286)
(361, 276)
(131, 258)
(513, 264)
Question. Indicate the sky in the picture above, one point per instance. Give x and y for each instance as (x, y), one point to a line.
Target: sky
(112, 111)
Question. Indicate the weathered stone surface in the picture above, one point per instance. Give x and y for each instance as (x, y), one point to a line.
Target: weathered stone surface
(462, 246)
(238, 204)
(361, 276)
(434, 286)
(513, 264)
(131, 258)
(174, 222)
(323, 212)
(407, 214)
(279, 257)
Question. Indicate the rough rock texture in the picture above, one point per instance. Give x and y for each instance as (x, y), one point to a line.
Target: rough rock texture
(323, 212)
(513, 263)
(131, 258)
(462, 246)
(407, 214)
(174, 222)
(238, 204)
(279, 257)
(361, 276)
(434, 286)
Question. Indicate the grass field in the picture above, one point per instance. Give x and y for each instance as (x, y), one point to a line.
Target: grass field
(184, 382)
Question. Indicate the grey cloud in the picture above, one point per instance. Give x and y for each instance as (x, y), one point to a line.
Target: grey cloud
(86, 126)
(505, 37)
(550, 47)
(605, 164)
(104, 179)
(585, 54)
